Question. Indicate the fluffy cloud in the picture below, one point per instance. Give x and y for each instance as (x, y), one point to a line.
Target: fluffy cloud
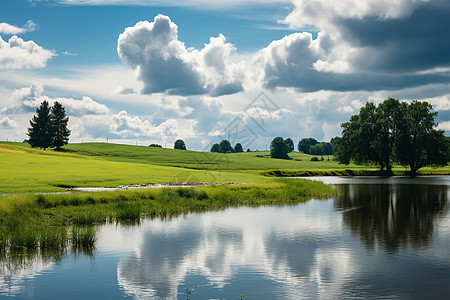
(27, 99)
(11, 29)
(7, 122)
(362, 45)
(20, 54)
(127, 126)
(164, 65)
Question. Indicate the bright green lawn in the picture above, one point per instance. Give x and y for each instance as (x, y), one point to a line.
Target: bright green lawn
(202, 160)
(100, 164)
(32, 170)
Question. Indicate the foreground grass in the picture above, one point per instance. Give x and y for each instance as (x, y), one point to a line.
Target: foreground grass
(35, 221)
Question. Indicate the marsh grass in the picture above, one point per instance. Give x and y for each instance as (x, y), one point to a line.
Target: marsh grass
(53, 238)
(128, 211)
(24, 238)
(83, 237)
(41, 221)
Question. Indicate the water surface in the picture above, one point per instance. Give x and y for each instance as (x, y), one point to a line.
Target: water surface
(379, 240)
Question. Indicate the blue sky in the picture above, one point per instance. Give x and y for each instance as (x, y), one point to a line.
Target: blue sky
(190, 71)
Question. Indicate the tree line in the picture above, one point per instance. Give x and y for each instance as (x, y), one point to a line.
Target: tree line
(49, 127)
(394, 132)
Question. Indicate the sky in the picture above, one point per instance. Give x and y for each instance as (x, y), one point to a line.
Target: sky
(153, 71)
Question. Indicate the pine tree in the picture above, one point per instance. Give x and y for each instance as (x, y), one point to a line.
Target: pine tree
(58, 123)
(40, 131)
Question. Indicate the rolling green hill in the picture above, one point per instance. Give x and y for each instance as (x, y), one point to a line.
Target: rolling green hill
(100, 164)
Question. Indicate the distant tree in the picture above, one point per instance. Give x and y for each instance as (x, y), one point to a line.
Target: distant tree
(215, 148)
(279, 149)
(225, 146)
(238, 148)
(305, 144)
(58, 123)
(40, 132)
(155, 145)
(327, 149)
(248, 150)
(180, 145)
(290, 143)
(334, 144)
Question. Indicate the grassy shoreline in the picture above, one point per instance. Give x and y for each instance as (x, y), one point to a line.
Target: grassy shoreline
(353, 172)
(30, 222)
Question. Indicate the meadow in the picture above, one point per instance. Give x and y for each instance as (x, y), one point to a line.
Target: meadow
(27, 170)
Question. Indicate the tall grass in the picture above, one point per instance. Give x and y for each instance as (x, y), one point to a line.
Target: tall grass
(128, 211)
(82, 237)
(39, 222)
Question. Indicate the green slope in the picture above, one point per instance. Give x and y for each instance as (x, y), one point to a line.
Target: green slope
(31, 170)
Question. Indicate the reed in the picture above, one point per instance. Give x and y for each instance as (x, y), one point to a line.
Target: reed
(128, 211)
(82, 237)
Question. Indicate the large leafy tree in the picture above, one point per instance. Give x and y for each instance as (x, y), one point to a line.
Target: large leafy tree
(357, 137)
(179, 144)
(393, 132)
(418, 143)
(40, 132)
(58, 123)
(389, 122)
(279, 148)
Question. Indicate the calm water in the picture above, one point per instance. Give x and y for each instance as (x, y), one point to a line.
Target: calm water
(387, 239)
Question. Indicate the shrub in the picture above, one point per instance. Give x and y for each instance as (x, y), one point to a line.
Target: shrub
(314, 159)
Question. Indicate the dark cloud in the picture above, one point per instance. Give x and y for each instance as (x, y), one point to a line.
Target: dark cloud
(369, 49)
(414, 43)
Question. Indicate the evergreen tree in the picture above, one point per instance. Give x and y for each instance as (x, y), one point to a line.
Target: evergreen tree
(40, 132)
(58, 123)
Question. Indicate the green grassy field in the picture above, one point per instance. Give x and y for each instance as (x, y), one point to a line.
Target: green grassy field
(27, 170)
(30, 170)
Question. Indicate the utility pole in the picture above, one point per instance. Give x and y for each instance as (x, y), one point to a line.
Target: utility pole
(107, 140)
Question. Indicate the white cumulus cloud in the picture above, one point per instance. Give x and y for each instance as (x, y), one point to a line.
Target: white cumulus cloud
(27, 99)
(19, 54)
(7, 122)
(128, 126)
(11, 29)
(165, 65)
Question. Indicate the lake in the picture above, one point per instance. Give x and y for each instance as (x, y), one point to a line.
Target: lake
(381, 238)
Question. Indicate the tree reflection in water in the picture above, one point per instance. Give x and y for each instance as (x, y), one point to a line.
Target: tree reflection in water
(393, 216)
